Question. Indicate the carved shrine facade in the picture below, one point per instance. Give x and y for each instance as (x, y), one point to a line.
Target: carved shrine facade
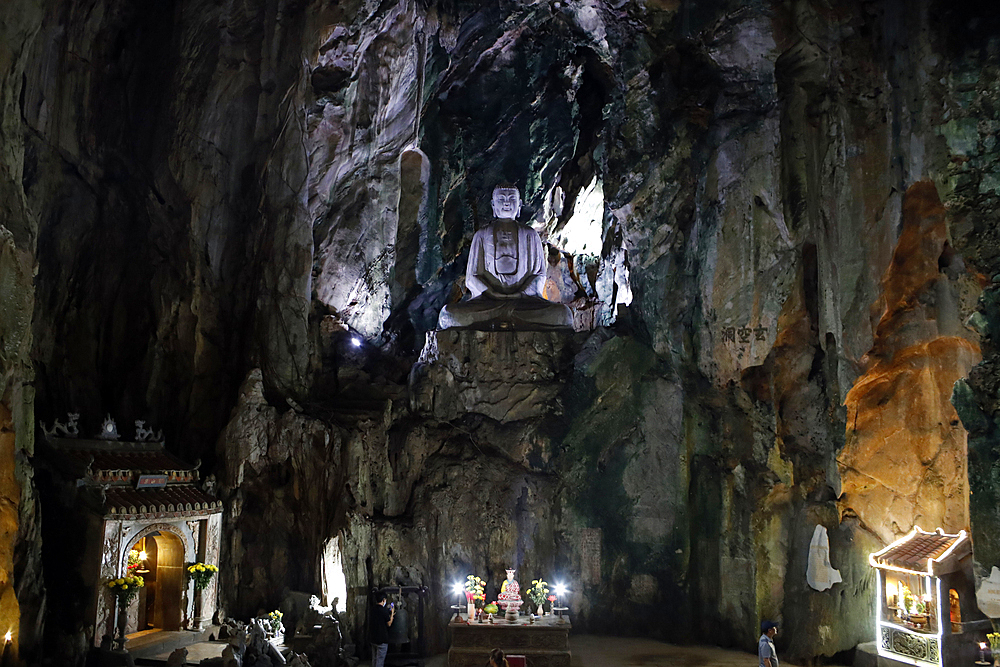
(137, 497)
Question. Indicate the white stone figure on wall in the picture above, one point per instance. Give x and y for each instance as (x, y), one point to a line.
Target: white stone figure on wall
(819, 572)
(988, 594)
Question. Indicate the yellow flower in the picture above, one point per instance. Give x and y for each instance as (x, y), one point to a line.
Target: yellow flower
(124, 587)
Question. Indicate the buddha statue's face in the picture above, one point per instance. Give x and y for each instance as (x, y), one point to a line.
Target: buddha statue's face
(506, 203)
(510, 575)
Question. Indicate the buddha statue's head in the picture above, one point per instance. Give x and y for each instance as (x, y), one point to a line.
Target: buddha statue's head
(506, 202)
(510, 573)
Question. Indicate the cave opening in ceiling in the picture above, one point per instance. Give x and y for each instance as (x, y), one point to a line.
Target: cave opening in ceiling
(583, 233)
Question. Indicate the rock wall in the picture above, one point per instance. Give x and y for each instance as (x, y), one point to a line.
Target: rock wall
(904, 462)
(798, 226)
(22, 592)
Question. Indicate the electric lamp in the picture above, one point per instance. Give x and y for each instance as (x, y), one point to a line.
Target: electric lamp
(459, 590)
(561, 591)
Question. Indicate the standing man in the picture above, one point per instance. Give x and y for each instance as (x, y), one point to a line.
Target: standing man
(765, 646)
(379, 622)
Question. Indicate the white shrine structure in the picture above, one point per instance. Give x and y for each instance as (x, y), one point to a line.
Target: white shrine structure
(122, 496)
(925, 602)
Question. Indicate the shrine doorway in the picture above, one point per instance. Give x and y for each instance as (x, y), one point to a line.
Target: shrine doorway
(158, 606)
(334, 580)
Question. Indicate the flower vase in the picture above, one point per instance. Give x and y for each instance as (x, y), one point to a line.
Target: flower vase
(122, 623)
(472, 612)
(197, 622)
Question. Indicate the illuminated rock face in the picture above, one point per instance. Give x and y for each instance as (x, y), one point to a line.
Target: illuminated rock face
(10, 500)
(904, 461)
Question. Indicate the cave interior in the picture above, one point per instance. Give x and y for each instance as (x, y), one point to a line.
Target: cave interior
(236, 224)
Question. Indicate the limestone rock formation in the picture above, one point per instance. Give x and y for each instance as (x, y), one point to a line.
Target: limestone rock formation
(507, 376)
(904, 461)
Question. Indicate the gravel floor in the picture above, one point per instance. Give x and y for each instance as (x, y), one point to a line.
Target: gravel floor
(598, 651)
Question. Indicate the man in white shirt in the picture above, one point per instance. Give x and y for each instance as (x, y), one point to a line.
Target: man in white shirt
(765, 646)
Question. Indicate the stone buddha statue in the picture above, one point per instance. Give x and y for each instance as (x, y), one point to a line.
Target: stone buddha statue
(506, 276)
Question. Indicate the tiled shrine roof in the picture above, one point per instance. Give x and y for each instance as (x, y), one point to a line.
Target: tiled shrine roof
(155, 461)
(131, 480)
(919, 551)
(176, 500)
(103, 461)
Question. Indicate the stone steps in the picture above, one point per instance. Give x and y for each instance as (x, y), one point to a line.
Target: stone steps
(146, 648)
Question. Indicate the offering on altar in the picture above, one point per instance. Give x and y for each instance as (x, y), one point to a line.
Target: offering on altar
(510, 595)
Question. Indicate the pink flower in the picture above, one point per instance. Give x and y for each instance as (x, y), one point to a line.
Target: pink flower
(551, 598)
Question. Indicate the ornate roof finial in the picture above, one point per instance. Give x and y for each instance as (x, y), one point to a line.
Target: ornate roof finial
(109, 429)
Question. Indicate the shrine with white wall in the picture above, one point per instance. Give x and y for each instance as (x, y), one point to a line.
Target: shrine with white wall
(150, 516)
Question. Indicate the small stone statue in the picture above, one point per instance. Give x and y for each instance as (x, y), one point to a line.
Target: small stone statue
(506, 277)
(177, 657)
(229, 657)
(298, 660)
(238, 645)
(142, 434)
(68, 430)
(208, 485)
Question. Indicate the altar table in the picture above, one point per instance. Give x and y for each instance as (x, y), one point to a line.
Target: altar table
(545, 643)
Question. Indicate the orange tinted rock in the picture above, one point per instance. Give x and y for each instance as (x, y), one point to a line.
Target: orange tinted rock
(904, 461)
(10, 499)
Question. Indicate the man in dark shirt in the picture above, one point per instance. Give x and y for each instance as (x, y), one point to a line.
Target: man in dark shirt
(381, 619)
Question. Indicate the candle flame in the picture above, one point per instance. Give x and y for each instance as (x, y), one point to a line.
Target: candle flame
(7, 637)
(982, 644)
